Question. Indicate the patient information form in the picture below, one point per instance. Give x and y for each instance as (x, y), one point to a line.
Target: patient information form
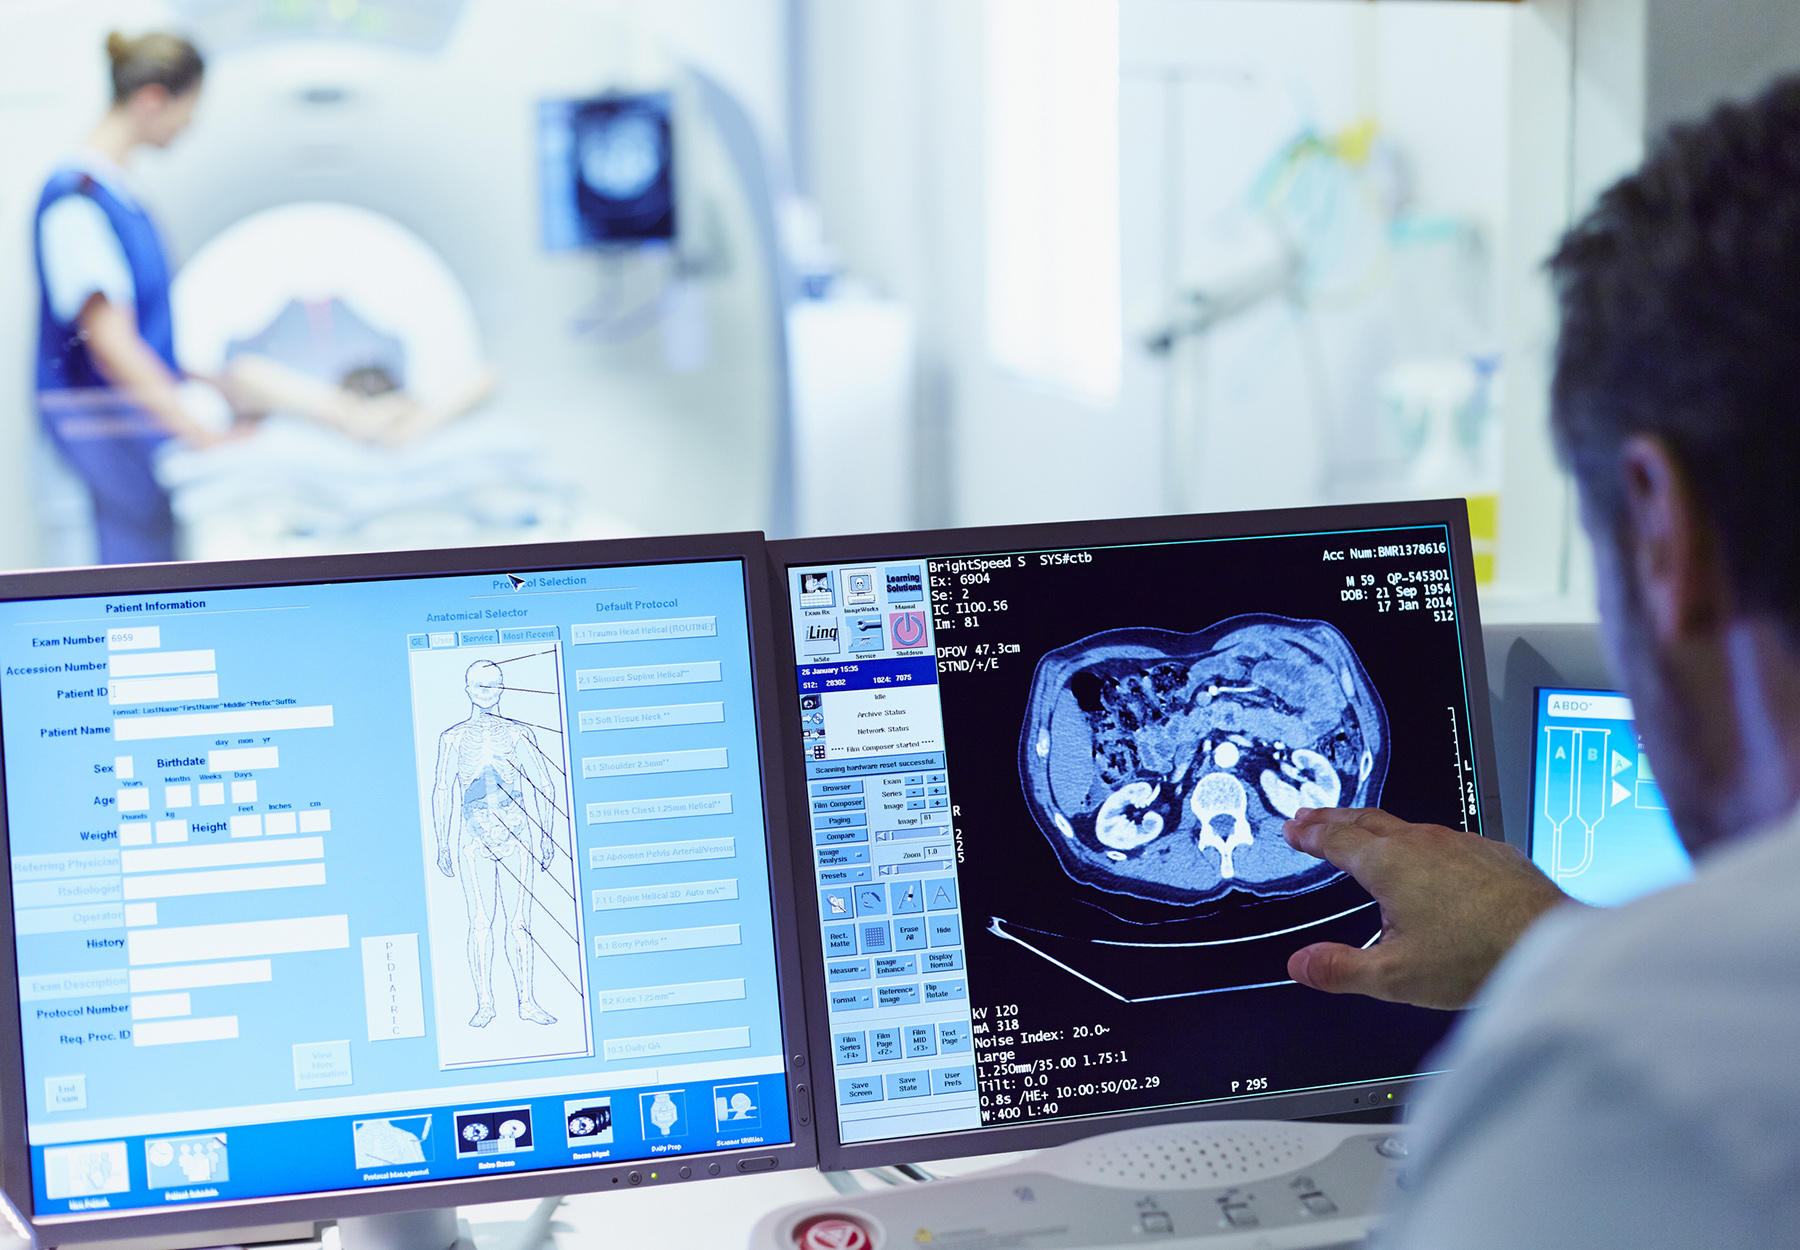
(386, 880)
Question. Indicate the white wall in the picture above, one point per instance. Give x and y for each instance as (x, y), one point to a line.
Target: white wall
(1577, 101)
(898, 151)
(1512, 117)
(1280, 406)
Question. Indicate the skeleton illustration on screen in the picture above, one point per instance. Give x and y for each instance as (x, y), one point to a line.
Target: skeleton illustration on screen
(1162, 764)
(494, 820)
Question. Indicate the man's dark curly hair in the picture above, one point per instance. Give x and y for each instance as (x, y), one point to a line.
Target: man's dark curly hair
(1680, 302)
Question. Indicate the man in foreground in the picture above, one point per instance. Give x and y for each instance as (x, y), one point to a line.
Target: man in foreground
(1632, 1077)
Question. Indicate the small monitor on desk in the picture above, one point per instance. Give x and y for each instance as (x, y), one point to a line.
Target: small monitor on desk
(1599, 826)
(1046, 769)
(376, 883)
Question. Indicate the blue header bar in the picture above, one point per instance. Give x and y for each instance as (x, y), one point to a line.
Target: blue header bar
(918, 670)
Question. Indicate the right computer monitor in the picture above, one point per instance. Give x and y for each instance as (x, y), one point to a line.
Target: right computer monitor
(1046, 770)
(1599, 827)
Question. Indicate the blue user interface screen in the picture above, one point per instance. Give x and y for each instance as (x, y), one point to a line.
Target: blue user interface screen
(1599, 827)
(319, 887)
(1046, 791)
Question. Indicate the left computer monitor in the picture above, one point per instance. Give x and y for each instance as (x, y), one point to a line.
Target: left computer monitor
(379, 883)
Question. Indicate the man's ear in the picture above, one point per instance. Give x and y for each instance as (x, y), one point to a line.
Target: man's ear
(1669, 543)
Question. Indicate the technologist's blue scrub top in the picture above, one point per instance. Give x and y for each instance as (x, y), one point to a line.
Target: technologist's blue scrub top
(109, 441)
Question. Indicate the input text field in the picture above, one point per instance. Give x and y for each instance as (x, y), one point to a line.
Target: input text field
(225, 881)
(623, 810)
(219, 855)
(645, 631)
(174, 1032)
(646, 675)
(134, 638)
(665, 895)
(181, 688)
(676, 1043)
(201, 976)
(245, 937)
(597, 766)
(672, 995)
(697, 938)
(161, 1006)
(661, 852)
(208, 724)
(160, 663)
(241, 759)
(597, 719)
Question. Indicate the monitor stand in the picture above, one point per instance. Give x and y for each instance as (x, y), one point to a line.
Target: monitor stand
(439, 1229)
(436, 1229)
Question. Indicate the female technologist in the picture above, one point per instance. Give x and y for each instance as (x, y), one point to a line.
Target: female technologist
(106, 373)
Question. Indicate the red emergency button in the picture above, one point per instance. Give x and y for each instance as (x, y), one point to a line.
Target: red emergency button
(832, 1232)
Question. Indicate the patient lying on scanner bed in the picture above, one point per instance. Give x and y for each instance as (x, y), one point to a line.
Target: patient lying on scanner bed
(371, 443)
(366, 403)
(320, 361)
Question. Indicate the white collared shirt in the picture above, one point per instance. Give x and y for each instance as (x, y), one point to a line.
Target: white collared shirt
(82, 253)
(1630, 1078)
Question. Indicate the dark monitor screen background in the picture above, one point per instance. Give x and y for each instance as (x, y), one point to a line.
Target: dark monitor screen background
(1124, 730)
(1599, 826)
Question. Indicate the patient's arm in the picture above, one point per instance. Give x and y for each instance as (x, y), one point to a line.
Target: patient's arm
(413, 420)
(256, 384)
(260, 385)
(125, 360)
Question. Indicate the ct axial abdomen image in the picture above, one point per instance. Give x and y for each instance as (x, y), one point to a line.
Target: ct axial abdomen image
(1162, 765)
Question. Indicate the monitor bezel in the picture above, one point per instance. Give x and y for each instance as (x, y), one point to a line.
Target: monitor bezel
(836, 1154)
(800, 1152)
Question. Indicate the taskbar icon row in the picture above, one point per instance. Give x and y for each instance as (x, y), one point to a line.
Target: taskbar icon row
(415, 1145)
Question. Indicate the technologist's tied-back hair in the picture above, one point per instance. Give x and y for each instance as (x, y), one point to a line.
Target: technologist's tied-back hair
(157, 59)
(1680, 301)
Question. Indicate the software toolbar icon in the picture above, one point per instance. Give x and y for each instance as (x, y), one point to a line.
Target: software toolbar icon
(907, 629)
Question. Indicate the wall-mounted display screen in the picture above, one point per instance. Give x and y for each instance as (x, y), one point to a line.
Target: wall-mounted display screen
(608, 170)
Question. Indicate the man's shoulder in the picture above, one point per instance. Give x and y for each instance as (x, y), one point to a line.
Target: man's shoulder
(1687, 1002)
(1734, 930)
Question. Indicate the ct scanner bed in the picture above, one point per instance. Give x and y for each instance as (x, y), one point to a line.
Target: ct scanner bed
(294, 487)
